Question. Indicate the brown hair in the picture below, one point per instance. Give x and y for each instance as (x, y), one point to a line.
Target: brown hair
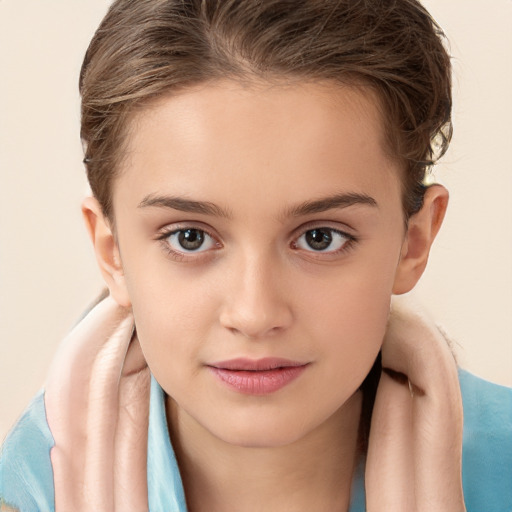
(146, 48)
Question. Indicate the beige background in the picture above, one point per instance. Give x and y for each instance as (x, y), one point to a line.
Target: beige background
(47, 269)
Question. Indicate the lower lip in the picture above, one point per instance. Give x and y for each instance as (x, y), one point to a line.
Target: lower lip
(261, 382)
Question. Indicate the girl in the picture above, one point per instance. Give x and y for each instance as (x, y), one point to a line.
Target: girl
(258, 172)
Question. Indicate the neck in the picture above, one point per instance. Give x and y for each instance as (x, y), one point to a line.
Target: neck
(313, 473)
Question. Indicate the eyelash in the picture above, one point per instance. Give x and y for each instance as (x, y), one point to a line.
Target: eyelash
(163, 237)
(178, 255)
(350, 241)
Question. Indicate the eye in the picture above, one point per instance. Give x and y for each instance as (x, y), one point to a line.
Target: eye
(190, 240)
(323, 240)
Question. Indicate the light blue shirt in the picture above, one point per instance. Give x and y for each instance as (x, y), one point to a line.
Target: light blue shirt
(26, 476)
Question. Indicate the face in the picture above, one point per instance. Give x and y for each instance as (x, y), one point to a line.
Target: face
(260, 229)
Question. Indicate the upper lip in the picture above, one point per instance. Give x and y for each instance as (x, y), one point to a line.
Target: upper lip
(245, 364)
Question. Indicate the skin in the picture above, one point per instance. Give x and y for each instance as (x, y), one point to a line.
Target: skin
(255, 288)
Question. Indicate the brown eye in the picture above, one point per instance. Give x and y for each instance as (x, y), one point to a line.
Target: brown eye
(322, 240)
(319, 239)
(190, 240)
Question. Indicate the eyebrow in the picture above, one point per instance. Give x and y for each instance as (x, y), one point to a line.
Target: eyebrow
(305, 208)
(184, 205)
(329, 203)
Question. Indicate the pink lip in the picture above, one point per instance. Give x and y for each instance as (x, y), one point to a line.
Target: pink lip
(257, 377)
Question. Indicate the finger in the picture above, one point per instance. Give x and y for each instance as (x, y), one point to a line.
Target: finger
(389, 474)
(415, 348)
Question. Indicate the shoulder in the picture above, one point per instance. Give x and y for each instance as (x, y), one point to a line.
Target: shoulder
(487, 444)
(26, 476)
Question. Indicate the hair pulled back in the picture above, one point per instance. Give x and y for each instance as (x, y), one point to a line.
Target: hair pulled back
(144, 49)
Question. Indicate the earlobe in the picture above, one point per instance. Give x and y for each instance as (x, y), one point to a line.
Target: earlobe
(421, 231)
(106, 249)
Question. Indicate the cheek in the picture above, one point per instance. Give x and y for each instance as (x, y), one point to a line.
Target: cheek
(173, 315)
(351, 330)
(347, 316)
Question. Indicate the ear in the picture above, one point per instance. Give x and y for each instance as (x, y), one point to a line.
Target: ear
(422, 229)
(106, 249)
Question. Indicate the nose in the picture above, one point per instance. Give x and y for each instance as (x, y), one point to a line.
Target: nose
(256, 303)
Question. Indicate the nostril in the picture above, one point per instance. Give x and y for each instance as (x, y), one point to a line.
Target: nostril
(255, 333)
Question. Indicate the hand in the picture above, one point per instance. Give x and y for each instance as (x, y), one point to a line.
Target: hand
(415, 448)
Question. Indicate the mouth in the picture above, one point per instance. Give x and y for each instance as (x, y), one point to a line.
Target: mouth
(257, 377)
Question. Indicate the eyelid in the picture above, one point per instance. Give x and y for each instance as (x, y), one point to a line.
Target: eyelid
(351, 239)
(192, 256)
(207, 243)
(173, 227)
(170, 229)
(339, 233)
(344, 229)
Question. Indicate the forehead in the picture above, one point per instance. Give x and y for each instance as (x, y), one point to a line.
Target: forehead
(298, 138)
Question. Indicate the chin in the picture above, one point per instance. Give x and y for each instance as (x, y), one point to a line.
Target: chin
(256, 437)
(272, 427)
